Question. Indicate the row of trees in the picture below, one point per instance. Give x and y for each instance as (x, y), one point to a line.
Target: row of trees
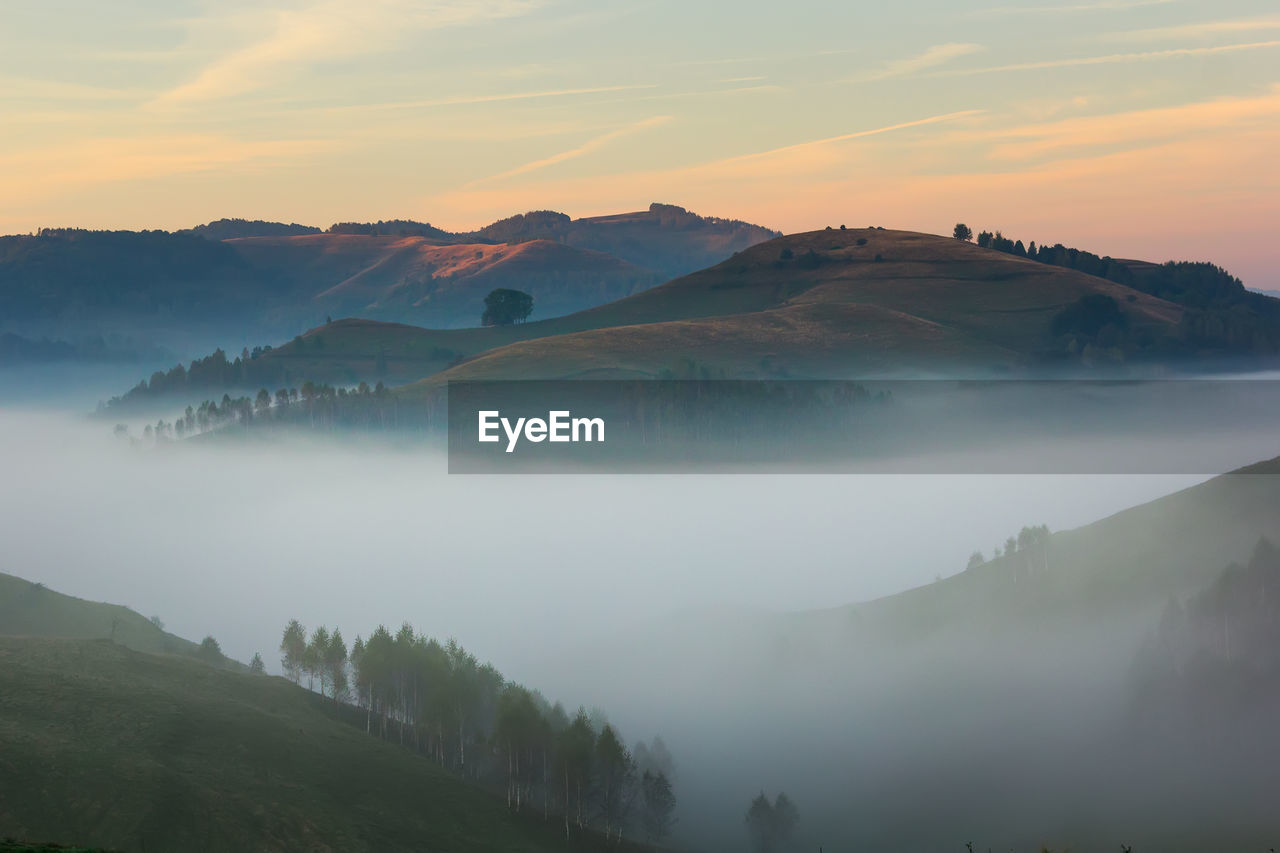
(1028, 551)
(1222, 315)
(312, 405)
(439, 700)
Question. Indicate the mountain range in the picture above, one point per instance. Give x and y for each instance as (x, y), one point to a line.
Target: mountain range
(248, 280)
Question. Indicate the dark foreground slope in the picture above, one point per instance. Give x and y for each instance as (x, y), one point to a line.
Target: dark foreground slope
(101, 745)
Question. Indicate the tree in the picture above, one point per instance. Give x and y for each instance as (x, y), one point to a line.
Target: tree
(759, 822)
(335, 664)
(616, 772)
(575, 750)
(771, 825)
(315, 659)
(963, 232)
(659, 803)
(157, 621)
(975, 560)
(256, 666)
(293, 647)
(786, 817)
(505, 307)
(210, 650)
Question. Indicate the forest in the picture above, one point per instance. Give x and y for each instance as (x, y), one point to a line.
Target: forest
(440, 701)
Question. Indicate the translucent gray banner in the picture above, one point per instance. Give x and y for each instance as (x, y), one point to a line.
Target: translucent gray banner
(900, 426)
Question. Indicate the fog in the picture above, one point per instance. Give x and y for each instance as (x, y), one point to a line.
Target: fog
(234, 540)
(661, 599)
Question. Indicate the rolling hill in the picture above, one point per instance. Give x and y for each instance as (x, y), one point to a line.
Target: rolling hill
(830, 304)
(835, 303)
(415, 279)
(665, 238)
(253, 280)
(32, 610)
(1125, 567)
(123, 749)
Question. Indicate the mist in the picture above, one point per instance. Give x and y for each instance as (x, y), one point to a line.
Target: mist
(666, 601)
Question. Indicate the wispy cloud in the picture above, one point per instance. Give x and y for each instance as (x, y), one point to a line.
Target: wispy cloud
(1200, 29)
(939, 54)
(1126, 130)
(857, 134)
(710, 93)
(1110, 59)
(462, 100)
(331, 29)
(1069, 8)
(585, 148)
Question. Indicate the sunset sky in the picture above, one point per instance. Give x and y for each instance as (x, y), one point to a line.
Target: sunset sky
(1138, 128)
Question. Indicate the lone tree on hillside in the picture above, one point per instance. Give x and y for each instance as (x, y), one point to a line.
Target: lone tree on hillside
(963, 232)
(256, 666)
(505, 307)
(210, 650)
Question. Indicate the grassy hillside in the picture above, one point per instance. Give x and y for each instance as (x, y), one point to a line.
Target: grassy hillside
(33, 610)
(1122, 568)
(123, 749)
(832, 303)
(770, 310)
(417, 279)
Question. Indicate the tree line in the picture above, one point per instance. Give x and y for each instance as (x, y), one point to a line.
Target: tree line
(440, 701)
(311, 405)
(1222, 314)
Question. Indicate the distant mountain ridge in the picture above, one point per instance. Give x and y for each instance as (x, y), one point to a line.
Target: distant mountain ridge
(252, 279)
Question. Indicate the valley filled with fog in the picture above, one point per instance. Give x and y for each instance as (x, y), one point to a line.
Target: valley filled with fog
(704, 609)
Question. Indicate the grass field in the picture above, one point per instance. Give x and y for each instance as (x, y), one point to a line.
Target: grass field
(32, 610)
(120, 749)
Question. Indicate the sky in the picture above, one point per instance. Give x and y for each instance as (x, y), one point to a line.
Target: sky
(1136, 128)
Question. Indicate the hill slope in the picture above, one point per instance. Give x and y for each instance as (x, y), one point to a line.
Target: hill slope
(1122, 569)
(176, 755)
(245, 280)
(835, 303)
(33, 610)
(413, 278)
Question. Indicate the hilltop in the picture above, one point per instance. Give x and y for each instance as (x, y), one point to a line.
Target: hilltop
(33, 610)
(848, 302)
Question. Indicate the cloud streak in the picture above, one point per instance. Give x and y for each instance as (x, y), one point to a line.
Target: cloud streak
(1202, 29)
(1070, 8)
(332, 29)
(1109, 59)
(858, 134)
(938, 54)
(582, 150)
